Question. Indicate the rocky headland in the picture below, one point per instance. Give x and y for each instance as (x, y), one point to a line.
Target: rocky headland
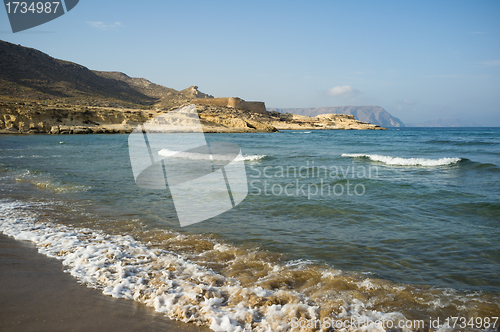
(39, 118)
(371, 114)
(43, 95)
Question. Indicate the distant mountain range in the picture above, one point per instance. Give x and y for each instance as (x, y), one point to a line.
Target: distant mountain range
(372, 114)
(448, 122)
(28, 74)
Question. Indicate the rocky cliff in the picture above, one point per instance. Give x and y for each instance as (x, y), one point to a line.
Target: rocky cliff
(34, 117)
(372, 114)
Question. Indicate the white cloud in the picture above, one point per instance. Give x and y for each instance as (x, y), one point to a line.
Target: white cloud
(491, 63)
(104, 26)
(344, 91)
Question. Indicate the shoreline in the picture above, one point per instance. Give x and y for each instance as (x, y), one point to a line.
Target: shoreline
(36, 295)
(17, 133)
(34, 118)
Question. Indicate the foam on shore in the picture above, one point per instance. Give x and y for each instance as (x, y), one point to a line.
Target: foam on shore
(250, 292)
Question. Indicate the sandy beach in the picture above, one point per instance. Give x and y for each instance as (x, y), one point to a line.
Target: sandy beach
(36, 295)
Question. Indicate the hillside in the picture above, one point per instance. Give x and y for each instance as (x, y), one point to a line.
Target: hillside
(27, 74)
(372, 114)
(41, 94)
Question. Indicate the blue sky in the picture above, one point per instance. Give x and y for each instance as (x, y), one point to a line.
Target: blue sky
(419, 60)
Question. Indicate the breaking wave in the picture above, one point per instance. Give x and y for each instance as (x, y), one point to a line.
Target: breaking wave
(204, 156)
(398, 161)
(194, 279)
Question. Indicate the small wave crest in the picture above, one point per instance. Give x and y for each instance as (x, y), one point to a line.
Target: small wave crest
(399, 161)
(203, 156)
(45, 181)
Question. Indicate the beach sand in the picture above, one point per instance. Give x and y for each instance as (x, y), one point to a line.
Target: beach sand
(35, 295)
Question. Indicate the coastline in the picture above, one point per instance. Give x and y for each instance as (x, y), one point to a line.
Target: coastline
(37, 118)
(37, 296)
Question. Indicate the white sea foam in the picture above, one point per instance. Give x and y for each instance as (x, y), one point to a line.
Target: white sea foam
(203, 156)
(123, 267)
(33, 156)
(398, 161)
(296, 132)
(253, 157)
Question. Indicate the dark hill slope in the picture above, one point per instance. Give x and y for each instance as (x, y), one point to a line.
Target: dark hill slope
(29, 74)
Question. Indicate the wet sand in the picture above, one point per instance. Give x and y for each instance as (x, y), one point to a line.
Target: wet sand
(35, 295)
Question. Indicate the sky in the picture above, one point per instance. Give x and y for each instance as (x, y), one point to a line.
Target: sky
(419, 60)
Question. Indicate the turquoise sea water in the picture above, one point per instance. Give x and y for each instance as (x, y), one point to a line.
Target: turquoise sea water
(417, 206)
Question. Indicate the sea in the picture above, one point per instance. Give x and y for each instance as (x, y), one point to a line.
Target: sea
(387, 230)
